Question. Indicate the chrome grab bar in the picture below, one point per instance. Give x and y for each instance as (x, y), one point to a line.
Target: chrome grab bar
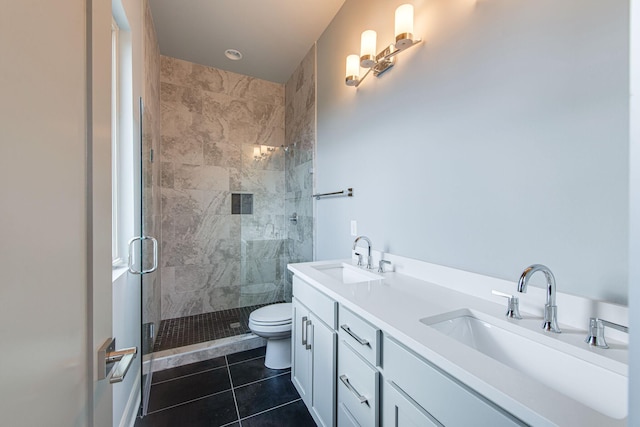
(348, 192)
(348, 330)
(345, 381)
(154, 267)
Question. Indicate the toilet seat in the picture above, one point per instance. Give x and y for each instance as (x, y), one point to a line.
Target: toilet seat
(270, 324)
(272, 315)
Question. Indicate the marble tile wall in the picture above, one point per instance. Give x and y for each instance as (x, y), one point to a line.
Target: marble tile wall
(212, 122)
(151, 298)
(300, 137)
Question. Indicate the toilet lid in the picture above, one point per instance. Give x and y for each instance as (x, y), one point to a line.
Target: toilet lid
(275, 313)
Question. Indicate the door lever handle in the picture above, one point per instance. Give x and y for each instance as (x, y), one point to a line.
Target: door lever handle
(113, 363)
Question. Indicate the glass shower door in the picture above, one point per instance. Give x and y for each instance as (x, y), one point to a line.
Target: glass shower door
(148, 251)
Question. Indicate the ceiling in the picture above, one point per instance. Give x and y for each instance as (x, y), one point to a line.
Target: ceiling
(273, 35)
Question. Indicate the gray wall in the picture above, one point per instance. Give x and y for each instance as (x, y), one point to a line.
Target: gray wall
(499, 142)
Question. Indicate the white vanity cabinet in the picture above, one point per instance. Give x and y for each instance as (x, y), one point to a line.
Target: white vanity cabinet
(313, 370)
(418, 393)
(350, 373)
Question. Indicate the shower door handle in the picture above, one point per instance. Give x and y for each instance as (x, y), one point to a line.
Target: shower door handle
(154, 266)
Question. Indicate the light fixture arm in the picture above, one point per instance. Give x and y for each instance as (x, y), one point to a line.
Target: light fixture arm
(385, 59)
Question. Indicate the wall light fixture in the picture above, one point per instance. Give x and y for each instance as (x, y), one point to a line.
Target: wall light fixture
(385, 59)
(261, 152)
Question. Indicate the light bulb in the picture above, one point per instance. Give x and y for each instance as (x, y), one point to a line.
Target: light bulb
(404, 26)
(368, 49)
(353, 70)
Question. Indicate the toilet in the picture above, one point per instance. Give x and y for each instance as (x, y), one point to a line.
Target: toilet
(273, 322)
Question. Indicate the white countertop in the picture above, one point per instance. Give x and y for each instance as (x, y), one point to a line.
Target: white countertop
(397, 303)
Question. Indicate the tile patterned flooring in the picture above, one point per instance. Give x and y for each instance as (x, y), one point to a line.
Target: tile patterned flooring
(188, 330)
(234, 390)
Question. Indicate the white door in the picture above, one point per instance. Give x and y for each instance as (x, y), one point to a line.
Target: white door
(55, 280)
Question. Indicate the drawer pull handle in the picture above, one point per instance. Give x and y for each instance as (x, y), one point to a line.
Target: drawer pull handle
(308, 344)
(348, 330)
(347, 384)
(304, 331)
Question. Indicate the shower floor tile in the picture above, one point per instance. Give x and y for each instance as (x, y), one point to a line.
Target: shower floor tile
(188, 330)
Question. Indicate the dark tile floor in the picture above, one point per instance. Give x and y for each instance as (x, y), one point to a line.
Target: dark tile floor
(204, 327)
(233, 390)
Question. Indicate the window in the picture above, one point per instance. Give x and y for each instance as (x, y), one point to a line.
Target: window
(123, 135)
(116, 254)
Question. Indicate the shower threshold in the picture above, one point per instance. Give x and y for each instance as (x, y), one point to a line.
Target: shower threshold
(191, 339)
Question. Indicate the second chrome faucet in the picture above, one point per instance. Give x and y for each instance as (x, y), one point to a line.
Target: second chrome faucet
(366, 239)
(550, 308)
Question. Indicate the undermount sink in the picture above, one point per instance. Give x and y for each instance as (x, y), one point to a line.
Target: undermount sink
(519, 348)
(346, 273)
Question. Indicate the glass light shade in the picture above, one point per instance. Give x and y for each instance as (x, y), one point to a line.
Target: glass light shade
(353, 70)
(256, 151)
(404, 26)
(368, 49)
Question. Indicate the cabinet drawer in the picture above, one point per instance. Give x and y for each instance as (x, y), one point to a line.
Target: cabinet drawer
(398, 409)
(320, 304)
(437, 393)
(361, 335)
(357, 386)
(345, 419)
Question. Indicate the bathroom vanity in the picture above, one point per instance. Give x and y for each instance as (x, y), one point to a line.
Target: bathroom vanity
(426, 345)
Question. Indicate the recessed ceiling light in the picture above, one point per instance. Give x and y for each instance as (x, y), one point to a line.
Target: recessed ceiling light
(233, 54)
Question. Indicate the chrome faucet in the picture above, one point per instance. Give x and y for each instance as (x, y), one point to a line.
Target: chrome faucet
(550, 308)
(366, 239)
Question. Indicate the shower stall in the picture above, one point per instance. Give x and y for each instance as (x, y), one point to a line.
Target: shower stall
(227, 191)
